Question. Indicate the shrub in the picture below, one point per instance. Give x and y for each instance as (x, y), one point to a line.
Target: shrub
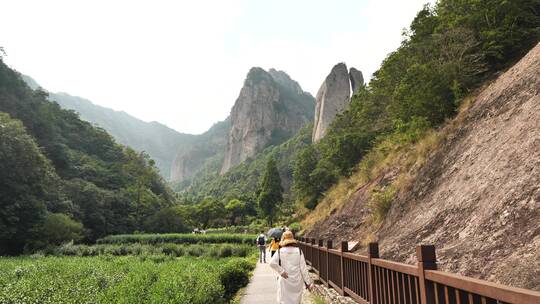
(295, 227)
(225, 251)
(178, 238)
(234, 275)
(59, 228)
(136, 249)
(148, 279)
(381, 201)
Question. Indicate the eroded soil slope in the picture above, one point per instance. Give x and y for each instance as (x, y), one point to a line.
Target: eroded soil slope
(477, 198)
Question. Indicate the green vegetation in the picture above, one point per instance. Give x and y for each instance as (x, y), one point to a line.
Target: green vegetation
(254, 228)
(54, 163)
(58, 228)
(27, 178)
(270, 191)
(243, 181)
(179, 238)
(449, 50)
(170, 249)
(108, 279)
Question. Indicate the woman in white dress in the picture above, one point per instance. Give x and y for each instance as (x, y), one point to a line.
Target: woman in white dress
(290, 264)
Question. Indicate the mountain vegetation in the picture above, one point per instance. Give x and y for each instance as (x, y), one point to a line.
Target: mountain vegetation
(449, 50)
(270, 191)
(63, 178)
(157, 140)
(57, 168)
(241, 182)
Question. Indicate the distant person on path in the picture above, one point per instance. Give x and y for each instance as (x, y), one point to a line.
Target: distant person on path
(290, 264)
(274, 246)
(261, 243)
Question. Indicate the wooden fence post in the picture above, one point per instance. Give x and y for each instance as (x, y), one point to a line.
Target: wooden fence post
(313, 252)
(373, 253)
(344, 248)
(427, 260)
(319, 257)
(329, 245)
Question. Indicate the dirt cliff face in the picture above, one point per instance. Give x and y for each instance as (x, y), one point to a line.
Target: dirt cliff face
(477, 197)
(270, 109)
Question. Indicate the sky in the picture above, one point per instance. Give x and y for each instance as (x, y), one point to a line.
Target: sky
(183, 63)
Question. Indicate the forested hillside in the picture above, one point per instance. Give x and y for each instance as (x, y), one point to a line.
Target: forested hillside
(401, 168)
(449, 50)
(242, 181)
(63, 178)
(159, 141)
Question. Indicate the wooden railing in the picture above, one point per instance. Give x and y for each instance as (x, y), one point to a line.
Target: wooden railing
(371, 280)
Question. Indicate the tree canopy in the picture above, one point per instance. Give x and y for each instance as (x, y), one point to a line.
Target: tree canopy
(270, 191)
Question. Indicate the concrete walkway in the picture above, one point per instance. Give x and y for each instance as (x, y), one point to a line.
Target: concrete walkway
(263, 287)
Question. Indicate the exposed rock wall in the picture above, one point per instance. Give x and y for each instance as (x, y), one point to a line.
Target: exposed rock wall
(334, 96)
(357, 80)
(271, 108)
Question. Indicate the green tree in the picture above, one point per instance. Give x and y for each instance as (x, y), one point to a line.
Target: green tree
(59, 228)
(236, 210)
(108, 187)
(304, 189)
(270, 191)
(210, 212)
(167, 220)
(28, 182)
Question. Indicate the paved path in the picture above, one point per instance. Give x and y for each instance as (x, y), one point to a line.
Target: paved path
(263, 287)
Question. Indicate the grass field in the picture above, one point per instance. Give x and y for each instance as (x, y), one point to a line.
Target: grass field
(123, 270)
(127, 279)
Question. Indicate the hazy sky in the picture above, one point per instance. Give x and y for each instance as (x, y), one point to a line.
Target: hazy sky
(182, 63)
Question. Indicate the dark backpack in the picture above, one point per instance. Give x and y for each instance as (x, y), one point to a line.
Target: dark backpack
(260, 240)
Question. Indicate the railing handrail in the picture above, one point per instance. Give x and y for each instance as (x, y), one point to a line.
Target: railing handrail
(396, 266)
(429, 280)
(489, 289)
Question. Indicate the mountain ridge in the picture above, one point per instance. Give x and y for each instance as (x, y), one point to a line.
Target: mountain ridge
(155, 138)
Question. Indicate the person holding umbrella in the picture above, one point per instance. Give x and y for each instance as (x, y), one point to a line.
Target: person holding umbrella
(275, 233)
(290, 264)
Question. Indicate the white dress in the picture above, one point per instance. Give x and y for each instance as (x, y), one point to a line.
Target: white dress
(290, 289)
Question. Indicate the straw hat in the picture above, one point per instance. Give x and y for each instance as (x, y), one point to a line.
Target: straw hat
(287, 238)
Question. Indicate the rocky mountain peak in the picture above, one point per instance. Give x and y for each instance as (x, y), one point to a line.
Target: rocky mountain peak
(285, 80)
(270, 108)
(357, 80)
(332, 98)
